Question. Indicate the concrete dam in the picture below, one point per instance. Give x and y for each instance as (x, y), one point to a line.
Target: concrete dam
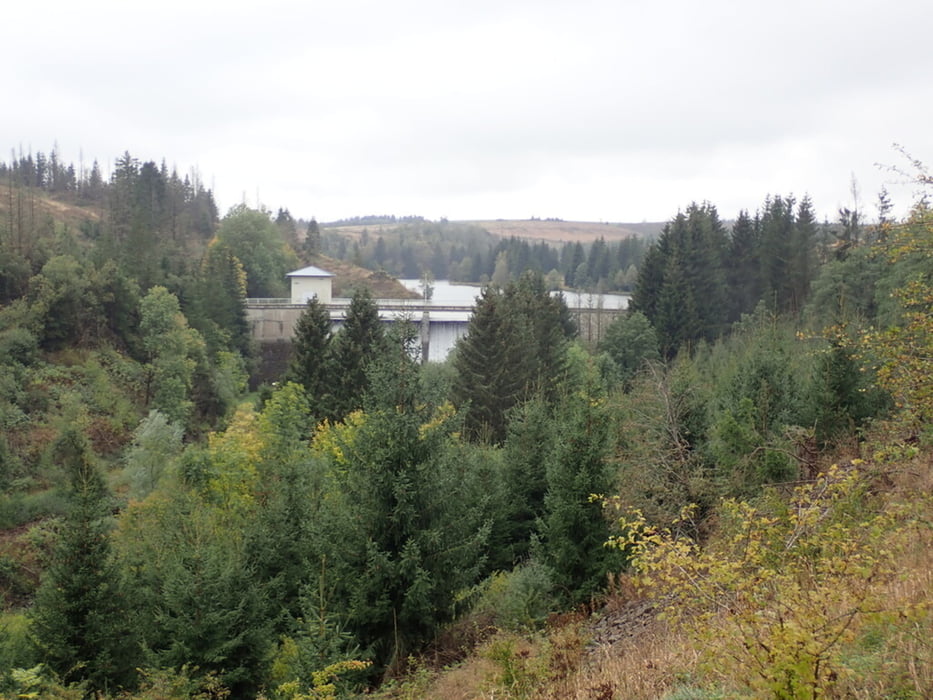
(440, 323)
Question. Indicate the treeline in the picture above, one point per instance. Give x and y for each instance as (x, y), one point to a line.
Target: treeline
(171, 533)
(146, 218)
(701, 276)
(468, 253)
(82, 278)
(375, 220)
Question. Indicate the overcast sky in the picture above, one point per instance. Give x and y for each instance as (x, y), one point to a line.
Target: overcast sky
(594, 110)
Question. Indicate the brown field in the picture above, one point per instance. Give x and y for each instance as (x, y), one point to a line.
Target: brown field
(566, 231)
(530, 229)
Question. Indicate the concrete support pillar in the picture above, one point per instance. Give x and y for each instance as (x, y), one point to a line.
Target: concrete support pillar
(425, 336)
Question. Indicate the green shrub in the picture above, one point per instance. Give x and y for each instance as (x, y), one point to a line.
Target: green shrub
(518, 600)
(16, 649)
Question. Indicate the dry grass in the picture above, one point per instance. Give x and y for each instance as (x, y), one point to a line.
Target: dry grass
(559, 231)
(35, 206)
(348, 277)
(891, 655)
(647, 666)
(530, 229)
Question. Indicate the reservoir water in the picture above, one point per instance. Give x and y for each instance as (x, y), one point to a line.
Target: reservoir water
(447, 326)
(452, 294)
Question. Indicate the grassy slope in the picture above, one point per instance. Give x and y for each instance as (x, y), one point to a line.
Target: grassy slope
(35, 206)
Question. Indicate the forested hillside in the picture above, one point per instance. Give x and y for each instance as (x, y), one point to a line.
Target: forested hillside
(589, 257)
(748, 450)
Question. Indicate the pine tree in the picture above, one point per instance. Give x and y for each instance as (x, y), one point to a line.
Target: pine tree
(79, 619)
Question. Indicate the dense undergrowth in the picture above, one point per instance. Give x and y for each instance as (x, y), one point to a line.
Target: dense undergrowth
(744, 502)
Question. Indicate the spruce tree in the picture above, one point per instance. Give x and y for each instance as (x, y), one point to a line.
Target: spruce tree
(360, 341)
(515, 347)
(744, 272)
(312, 242)
(417, 535)
(802, 263)
(682, 283)
(221, 301)
(310, 347)
(631, 341)
(530, 442)
(484, 386)
(573, 529)
(79, 620)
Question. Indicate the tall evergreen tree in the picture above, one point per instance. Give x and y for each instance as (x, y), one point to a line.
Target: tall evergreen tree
(776, 239)
(79, 619)
(358, 343)
(515, 346)
(682, 284)
(573, 529)
(220, 305)
(310, 350)
(418, 533)
(312, 241)
(802, 263)
(484, 386)
(744, 271)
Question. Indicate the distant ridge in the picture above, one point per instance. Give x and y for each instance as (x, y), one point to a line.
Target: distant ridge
(550, 230)
(557, 231)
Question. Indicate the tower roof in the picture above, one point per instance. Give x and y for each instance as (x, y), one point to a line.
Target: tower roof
(310, 271)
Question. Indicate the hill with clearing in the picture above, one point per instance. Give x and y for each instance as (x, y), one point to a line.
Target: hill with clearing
(348, 277)
(32, 210)
(555, 231)
(552, 231)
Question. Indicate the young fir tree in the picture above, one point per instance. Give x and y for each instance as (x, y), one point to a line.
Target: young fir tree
(79, 620)
(310, 348)
(529, 445)
(515, 347)
(631, 341)
(359, 342)
(573, 529)
(282, 535)
(417, 535)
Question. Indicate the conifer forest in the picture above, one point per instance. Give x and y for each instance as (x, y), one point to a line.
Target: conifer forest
(736, 477)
